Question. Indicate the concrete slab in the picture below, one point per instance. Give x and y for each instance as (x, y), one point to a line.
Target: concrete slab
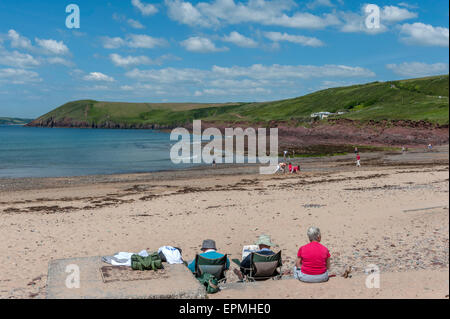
(180, 283)
(411, 284)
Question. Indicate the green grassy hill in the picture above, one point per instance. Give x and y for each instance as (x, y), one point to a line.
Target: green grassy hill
(14, 121)
(418, 99)
(415, 99)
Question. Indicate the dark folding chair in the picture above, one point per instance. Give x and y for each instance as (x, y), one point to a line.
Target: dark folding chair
(262, 267)
(216, 267)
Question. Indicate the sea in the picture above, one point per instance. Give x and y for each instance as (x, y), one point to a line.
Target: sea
(58, 152)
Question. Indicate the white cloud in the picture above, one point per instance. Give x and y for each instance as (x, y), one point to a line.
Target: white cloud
(304, 21)
(18, 76)
(424, 34)
(396, 14)
(112, 43)
(356, 22)
(144, 8)
(135, 24)
(18, 41)
(44, 46)
(97, 76)
(127, 88)
(258, 71)
(256, 82)
(52, 46)
(131, 22)
(96, 88)
(226, 93)
(299, 39)
(168, 75)
(408, 5)
(141, 41)
(59, 60)
(240, 40)
(185, 13)
(201, 45)
(145, 41)
(418, 69)
(319, 3)
(17, 59)
(145, 88)
(264, 12)
(129, 61)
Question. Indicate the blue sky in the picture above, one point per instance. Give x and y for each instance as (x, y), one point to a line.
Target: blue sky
(209, 51)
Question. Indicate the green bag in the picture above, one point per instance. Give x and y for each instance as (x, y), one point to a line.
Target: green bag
(210, 282)
(152, 262)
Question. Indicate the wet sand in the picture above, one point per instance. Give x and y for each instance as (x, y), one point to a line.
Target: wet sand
(392, 212)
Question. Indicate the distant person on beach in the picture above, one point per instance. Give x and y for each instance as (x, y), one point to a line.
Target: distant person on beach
(430, 147)
(264, 243)
(209, 250)
(278, 168)
(358, 160)
(281, 167)
(356, 150)
(313, 259)
(294, 169)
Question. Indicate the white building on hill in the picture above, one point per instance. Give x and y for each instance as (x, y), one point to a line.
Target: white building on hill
(324, 115)
(321, 115)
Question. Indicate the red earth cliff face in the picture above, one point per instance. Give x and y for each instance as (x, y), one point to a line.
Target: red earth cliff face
(331, 132)
(344, 132)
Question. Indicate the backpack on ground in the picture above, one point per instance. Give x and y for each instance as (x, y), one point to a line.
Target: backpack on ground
(152, 262)
(210, 282)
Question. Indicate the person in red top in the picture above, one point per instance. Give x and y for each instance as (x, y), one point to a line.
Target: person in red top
(358, 160)
(313, 259)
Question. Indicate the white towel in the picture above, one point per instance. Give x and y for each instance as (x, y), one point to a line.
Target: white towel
(173, 255)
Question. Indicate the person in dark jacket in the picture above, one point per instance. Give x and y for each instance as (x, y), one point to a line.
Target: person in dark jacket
(264, 243)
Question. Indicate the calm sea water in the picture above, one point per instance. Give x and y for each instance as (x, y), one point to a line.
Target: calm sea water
(52, 152)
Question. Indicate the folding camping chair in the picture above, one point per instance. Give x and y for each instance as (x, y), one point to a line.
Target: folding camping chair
(262, 267)
(216, 267)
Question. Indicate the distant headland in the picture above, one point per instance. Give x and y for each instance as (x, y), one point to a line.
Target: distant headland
(365, 113)
(14, 121)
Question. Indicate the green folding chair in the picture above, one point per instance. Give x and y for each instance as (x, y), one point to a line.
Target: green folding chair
(216, 267)
(262, 267)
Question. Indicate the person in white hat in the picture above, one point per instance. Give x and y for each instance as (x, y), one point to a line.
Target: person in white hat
(264, 243)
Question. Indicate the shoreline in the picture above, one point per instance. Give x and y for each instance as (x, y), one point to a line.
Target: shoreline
(308, 165)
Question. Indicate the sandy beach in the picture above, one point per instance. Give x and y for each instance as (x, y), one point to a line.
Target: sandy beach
(392, 212)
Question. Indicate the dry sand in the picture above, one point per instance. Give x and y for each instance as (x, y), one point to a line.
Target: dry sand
(392, 212)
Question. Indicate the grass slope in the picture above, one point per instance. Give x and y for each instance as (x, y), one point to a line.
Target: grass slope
(415, 99)
(418, 99)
